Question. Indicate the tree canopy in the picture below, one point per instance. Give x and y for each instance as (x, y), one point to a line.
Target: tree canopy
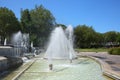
(38, 22)
(8, 23)
(87, 37)
(84, 36)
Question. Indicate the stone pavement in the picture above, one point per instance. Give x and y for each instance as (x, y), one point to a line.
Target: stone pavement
(112, 60)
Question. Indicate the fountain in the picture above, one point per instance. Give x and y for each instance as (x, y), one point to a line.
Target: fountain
(59, 52)
(5, 42)
(31, 45)
(20, 42)
(32, 49)
(69, 34)
(17, 39)
(59, 47)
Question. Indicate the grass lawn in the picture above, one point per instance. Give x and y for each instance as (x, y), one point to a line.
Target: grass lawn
(93, 50)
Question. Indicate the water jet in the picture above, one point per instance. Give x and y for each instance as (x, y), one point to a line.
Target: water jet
(59, 46)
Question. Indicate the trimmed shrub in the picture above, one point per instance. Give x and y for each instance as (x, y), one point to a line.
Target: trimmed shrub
(114, 51)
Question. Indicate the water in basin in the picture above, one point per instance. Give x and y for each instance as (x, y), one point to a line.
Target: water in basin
(80, 69)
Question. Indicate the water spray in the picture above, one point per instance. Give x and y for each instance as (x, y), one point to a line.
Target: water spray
(70, 60)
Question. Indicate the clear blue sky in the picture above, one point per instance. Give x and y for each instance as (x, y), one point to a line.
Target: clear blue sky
(103, 15)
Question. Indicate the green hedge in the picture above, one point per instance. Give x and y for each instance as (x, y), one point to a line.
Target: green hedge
(115, 51)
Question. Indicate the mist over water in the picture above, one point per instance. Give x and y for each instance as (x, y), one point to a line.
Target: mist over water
(60, 47)
(20, 39)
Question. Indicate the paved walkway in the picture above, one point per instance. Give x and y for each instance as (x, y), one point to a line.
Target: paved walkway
(112, 60)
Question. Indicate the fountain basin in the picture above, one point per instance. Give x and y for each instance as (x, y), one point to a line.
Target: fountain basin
(80, 69)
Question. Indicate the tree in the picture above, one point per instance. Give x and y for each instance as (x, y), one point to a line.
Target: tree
(62, 25)
(118, 37)
(110, 38)
(99, 40)
(44, 22)
(38, 23)
(8, 23)
(26, 21)
(84, 36)
(27, 26)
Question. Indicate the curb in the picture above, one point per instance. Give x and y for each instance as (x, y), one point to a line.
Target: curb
(19, 73)
(14, 78)
(106, 69)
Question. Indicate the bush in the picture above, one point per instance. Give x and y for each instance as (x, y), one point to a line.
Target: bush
(115, 51)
